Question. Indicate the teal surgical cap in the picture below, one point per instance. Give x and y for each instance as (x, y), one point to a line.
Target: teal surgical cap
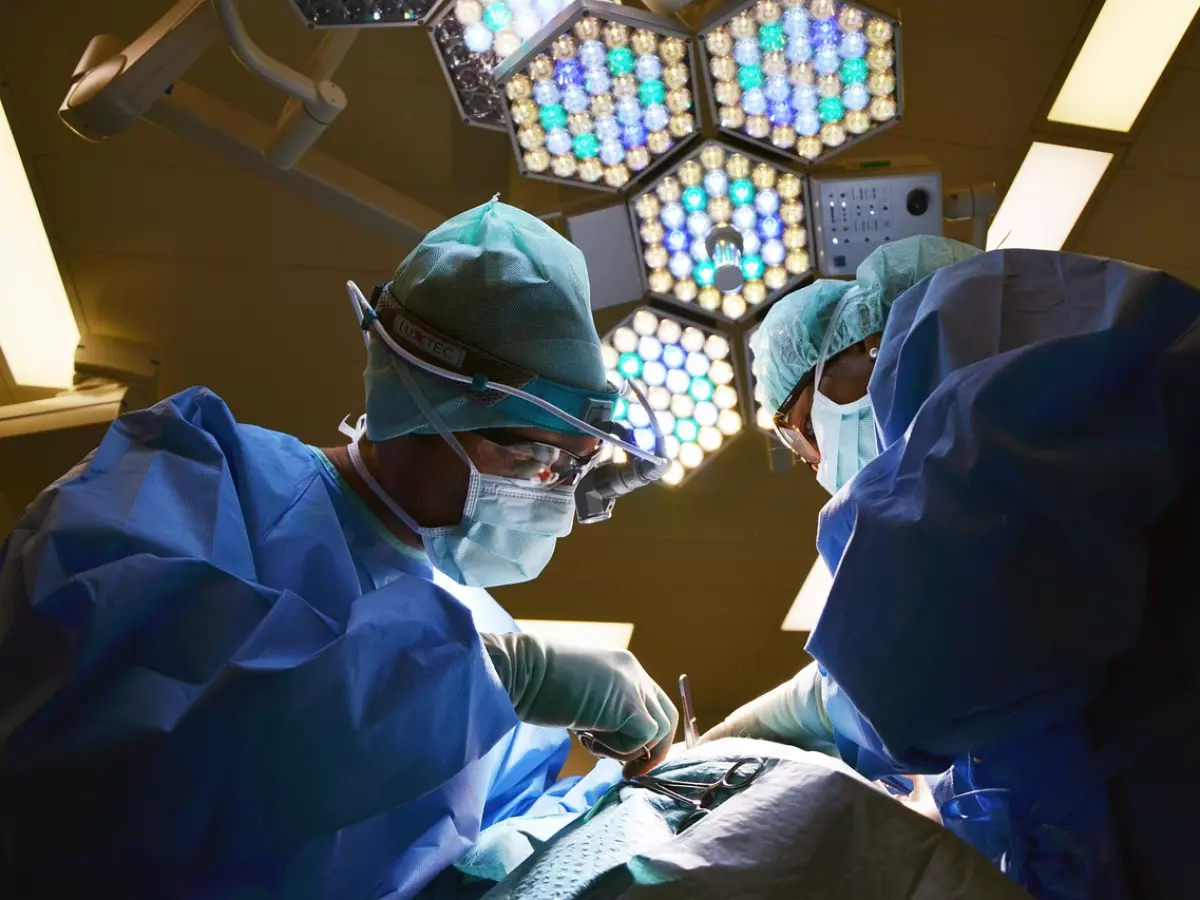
(788, 343)
(501, 281)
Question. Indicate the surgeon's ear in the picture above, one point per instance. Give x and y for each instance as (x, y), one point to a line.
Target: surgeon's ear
(871, 344)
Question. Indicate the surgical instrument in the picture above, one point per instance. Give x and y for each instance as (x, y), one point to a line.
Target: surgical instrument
(691, 737)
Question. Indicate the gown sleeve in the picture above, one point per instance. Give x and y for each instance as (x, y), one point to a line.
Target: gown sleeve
(1037, 414)
(186, 707)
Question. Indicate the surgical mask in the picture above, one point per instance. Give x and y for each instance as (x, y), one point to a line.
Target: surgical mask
(507, 533)
(845, 432)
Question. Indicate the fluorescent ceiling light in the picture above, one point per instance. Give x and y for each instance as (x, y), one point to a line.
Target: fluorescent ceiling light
(1124, 55)
(38, 334)
(1050, 191)
(595, 635)
(92, 405)
(807, 606)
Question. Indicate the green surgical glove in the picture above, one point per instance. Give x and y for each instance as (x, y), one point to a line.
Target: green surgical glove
(793, 713)
(606, 692)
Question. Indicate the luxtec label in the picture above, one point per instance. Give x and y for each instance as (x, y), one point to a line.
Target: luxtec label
(434, 346)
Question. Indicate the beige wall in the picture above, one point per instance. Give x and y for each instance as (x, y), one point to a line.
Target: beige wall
(29, 463)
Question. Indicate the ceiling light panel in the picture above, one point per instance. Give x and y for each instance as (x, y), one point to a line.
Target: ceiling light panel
(472, 37)
(592, 635)
(807, 607)
(720, 187)
(1126, 51)
(687, 374)
(362, 13)
(1050, 192)
(38, 334)
(807, 78)
(601, 96)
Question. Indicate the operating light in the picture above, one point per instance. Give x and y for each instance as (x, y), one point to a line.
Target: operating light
(592, 635)
(38, 334)
(808, 79)
(806, 608)
(472, 37)
(362, 13)
(1051, 190)
(763, 417)
(714, 193)
(599, 96)
(696, 403)
(1100, 94)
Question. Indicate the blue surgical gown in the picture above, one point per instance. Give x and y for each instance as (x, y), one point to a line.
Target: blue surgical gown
(1015, 595)
(221, 677)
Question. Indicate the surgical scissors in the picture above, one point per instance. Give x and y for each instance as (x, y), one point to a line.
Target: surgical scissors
(740, 775)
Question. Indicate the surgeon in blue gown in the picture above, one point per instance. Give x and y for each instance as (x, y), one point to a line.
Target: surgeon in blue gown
(225, 668)
(1012, 441)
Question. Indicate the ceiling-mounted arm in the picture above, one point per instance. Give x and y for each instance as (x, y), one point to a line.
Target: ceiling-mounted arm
(113, 84)
(977, 202)
(318, 100)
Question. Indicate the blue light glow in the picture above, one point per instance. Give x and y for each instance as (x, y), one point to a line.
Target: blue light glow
(672, 215)
(716, 182)
(558, 141)
(673, 356)
(649, 347)
(767, 202)
(654, 373)
(681, 265)
(545, 92)
(656, 117)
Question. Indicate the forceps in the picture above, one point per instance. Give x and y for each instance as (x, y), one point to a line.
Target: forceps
(738, 776)
(691, 735)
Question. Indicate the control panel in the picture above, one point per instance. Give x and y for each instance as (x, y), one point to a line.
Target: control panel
(852, 215)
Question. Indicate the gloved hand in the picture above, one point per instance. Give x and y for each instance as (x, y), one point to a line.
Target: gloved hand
(793, 713)
(606, 692)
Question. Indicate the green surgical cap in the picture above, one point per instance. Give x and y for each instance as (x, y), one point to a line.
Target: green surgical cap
(788, 343)
(501, 281)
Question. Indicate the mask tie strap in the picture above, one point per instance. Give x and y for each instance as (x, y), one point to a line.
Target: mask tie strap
(360, 466)
(828, 340)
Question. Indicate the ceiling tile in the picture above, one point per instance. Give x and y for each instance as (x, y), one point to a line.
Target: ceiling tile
(1027, 21)
(201, 213)
(1145, 217)
(278, 342)
(1168, 138)
(976, 90)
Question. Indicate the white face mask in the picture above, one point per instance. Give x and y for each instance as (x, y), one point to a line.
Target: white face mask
(845, 434)
(507, 533)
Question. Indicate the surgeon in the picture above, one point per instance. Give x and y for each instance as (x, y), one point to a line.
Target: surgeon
(225, 669)
(1011, 441)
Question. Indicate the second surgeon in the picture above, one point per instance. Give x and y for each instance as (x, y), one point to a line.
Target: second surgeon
(1010, 439)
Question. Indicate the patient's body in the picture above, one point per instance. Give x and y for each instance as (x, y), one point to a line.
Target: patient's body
(805, 826)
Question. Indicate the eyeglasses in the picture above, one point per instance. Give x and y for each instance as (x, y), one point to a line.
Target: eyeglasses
(535, 464)
(791, 436)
